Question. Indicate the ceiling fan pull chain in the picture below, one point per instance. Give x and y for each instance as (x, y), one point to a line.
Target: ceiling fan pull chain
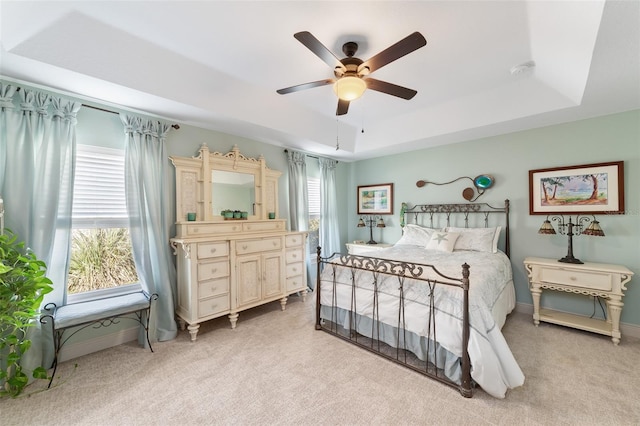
(337, 135)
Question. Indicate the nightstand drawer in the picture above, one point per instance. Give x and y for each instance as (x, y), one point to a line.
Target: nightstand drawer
(584, 279)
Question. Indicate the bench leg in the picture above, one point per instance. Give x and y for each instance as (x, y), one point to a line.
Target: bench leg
(145, 324)
(57, 337)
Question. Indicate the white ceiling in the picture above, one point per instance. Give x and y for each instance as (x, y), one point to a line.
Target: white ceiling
(218, 64)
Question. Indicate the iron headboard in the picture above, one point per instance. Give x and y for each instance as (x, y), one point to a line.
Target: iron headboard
(464, 210)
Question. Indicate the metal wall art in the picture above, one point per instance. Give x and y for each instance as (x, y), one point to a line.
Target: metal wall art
(480, 182)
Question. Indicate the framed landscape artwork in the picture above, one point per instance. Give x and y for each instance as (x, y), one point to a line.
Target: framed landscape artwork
(585, 189)
(375, 199)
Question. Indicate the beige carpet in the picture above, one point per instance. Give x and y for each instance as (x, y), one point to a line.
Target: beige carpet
(275, 368)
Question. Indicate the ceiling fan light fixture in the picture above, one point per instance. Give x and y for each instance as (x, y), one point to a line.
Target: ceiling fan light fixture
(349, 88)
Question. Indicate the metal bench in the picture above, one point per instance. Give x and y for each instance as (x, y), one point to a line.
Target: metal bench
(97, 313)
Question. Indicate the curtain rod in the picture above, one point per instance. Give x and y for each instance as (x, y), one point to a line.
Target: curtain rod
(175, 126)
(312, 156)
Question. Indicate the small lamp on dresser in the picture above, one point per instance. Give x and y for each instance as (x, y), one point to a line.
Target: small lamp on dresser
(570, 229)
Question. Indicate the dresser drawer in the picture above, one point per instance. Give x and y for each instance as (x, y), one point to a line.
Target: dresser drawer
(213, 228)
(211, 288)
(272, 225)
(584, 279)
(213, 305)
(295, 283)
(295, 269)
(294, 256)
(295, 240)
(256, 246)
(207, 250)
(211, 270)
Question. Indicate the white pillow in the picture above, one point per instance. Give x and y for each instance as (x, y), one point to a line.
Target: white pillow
(443, 241)
(415, 235)
(477, 239)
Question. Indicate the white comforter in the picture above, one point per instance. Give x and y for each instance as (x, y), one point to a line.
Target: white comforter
(490, 294)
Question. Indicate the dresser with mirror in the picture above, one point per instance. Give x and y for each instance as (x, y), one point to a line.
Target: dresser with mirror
(233, 250)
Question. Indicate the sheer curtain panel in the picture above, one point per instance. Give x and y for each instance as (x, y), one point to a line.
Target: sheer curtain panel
(329, 236)
(148, 206)
(37, 154)
(299, 201)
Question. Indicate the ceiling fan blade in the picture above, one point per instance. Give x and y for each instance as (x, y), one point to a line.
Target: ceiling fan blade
(390, 89)
(314, 45)
(403, 47)
(304, 86)
(343, 107)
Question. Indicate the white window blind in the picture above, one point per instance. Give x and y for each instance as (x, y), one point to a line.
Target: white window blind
(98, 193)
(313, 192)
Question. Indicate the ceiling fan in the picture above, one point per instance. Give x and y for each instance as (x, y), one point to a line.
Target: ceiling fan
(352, 74)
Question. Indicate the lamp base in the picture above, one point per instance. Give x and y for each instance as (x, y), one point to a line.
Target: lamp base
(371, 242)
(570, 259)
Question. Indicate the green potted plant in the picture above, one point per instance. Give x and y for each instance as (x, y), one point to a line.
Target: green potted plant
(23, 285)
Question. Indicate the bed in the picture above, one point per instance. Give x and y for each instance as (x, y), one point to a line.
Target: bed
(434, 302)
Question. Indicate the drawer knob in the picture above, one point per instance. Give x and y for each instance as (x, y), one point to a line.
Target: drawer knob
(573, 278)
(295, 269)
(294, 255)
(213, 250)
(214, 270)
(244, 247)
(274, 243)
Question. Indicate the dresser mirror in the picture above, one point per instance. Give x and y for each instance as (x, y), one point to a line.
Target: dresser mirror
(232, 191)
(213, 181)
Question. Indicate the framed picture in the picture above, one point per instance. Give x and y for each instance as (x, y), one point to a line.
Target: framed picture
(375, 199)
(585, 189)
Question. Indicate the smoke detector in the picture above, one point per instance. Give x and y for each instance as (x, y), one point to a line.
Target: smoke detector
(523, 67)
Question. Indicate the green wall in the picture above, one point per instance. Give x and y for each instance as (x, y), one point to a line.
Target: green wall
(509, 158)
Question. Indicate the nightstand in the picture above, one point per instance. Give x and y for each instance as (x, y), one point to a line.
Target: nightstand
(359, 248)
(602, 280)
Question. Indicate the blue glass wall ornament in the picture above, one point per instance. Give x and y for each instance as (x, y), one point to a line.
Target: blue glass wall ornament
(483, 181)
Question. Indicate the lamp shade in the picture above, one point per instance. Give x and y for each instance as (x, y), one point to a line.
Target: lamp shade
(361, 223)
(349, 88)
(594, 229)
(381, 223)
(546, 228)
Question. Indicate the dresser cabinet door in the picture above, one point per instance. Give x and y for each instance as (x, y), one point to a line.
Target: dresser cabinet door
(272, 284)
(249, 279)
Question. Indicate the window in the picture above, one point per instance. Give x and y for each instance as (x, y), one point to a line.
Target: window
(101, 255)
(313, 192)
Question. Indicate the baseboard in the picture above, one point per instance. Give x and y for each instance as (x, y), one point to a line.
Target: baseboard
(631, 330)
(74, 350)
